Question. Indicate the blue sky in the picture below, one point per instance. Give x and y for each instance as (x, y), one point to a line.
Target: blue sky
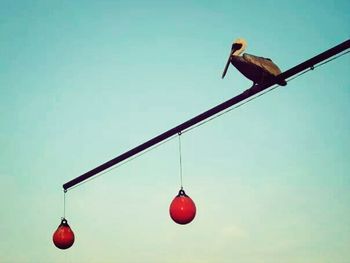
(83, 81)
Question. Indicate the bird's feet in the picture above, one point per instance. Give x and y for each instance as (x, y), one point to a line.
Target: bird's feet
(247, 92)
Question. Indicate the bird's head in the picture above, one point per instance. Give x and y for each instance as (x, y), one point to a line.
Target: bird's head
(238, 46)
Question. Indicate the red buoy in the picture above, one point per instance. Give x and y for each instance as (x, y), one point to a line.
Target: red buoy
(63, 237)
(182, 208)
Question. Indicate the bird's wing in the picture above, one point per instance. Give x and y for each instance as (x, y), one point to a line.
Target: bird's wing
(264, 63)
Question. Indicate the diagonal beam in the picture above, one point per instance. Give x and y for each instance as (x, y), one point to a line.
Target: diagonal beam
(209, 113)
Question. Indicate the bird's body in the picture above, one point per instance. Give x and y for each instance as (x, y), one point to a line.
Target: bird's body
(258, 69)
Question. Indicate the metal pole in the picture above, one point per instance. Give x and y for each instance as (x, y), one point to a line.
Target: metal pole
(203, 116)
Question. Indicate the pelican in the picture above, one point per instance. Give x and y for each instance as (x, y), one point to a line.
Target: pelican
(257, 69)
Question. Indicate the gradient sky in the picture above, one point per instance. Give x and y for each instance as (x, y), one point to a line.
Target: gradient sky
(83, 81)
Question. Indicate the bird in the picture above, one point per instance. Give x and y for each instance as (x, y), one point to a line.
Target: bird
(258, 69)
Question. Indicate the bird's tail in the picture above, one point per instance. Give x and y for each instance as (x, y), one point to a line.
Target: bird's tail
(282, 82)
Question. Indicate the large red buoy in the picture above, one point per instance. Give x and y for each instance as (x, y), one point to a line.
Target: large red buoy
(63, 237)
(182, 208)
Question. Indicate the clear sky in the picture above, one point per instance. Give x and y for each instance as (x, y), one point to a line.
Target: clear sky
(83, 81)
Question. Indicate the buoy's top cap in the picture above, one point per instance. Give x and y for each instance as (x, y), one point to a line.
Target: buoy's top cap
(64, 222)
(182, 193)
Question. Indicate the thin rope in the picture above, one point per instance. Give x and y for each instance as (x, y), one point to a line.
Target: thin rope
(263, 93)
(180, 157)
(318, 65)
(122, 163)
(331, 59)
(230, 109)
(64, 203)
(212, 118)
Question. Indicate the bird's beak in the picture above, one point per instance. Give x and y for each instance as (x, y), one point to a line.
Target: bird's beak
(227, 64)
(235, 47)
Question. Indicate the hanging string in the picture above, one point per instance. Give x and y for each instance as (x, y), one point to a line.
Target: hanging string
(180, 160)
(64, 203)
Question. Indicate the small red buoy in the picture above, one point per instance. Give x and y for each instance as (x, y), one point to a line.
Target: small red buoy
(182, 208)
(63, 237)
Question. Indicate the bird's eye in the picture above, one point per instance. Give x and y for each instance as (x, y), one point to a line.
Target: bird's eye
(236, 46)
